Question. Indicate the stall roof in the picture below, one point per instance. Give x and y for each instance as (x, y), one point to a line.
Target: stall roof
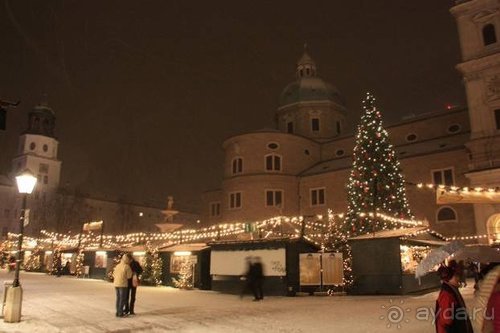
(395, 233)
(193, 247)
(426, 242)
(257, 241)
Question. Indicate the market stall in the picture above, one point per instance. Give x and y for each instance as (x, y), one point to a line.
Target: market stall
(385, 262)
(191, 260)
(280, 259)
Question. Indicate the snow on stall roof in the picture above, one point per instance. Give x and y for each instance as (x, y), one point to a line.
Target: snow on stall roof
(395, 233)
(193, 247)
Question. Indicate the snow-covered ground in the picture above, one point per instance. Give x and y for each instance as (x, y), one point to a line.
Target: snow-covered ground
(67, 304)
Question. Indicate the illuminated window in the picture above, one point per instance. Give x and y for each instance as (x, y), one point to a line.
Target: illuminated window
(237, 165)
(273, 162)
(446, 214)
(317, 196)
(443, 177)
(235, 200)
(274, 198)
(489, 35)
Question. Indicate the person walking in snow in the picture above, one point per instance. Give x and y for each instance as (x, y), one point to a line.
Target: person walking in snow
(121, 274)
(257, 272)
(133, 283)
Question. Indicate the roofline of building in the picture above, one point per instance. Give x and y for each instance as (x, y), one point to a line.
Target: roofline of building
(399, 158)
(416, 118)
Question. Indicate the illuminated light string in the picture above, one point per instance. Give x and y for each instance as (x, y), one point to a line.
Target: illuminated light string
(222, 230)
(452, 188)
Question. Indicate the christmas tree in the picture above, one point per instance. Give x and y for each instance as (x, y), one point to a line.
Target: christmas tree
(33, 263)
(185, 279)
(151, 274)
(376, 185)
(79, 270)
(56, 267)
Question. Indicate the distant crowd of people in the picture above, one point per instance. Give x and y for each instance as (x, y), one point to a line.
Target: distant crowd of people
(126, 280)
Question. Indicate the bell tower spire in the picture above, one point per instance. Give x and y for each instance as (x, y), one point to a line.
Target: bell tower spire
(306, 67)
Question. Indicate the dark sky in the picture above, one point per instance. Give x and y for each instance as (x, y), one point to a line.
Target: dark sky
(146, 91)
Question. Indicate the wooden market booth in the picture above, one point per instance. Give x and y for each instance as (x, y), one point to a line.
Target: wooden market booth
(385, 262)
(196, 254)
(280, 259)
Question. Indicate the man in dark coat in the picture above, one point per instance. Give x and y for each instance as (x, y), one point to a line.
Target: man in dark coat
(137, 271)
(257, 272)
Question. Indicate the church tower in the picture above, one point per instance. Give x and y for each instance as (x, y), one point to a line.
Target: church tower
(309, 106)
(37, 149)
(478, 24)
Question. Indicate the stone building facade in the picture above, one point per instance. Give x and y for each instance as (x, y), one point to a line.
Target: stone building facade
(301, 167)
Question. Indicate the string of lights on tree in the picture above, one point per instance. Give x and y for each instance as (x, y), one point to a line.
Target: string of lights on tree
(375, 183)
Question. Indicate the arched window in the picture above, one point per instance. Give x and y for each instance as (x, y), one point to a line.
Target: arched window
(237, 165)
(446, 214)
(273, 162)
(493, 226)
(489, 35)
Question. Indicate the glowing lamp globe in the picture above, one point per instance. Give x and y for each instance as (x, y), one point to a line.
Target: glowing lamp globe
(26, 182)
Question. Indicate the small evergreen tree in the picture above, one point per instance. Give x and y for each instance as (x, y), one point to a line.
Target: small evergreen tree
(79, 270)
(33, 264)
(152, 269)
(185, 279)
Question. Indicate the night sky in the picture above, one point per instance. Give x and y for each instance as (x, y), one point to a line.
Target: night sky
(146, 91)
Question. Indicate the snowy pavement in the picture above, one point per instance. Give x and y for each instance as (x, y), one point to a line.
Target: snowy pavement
(67, 304)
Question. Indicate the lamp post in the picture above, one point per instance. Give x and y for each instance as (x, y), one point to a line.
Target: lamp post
(26, 182)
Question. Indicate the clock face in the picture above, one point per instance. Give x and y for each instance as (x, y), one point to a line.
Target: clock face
(32, 146)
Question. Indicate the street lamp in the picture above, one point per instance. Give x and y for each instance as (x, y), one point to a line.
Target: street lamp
(26, 182)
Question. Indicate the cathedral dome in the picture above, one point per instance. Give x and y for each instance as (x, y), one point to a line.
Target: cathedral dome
(310, 88)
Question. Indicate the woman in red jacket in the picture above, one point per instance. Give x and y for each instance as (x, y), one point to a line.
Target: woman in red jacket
(451, 314)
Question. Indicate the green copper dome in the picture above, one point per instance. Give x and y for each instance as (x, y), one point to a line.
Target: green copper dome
(310, 88)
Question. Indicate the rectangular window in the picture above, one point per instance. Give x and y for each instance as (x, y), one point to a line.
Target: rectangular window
(237, 165)
(315, 124)
(215, 209)
(497, 118)
(43, 168)
(443, 177)
(317, 196)
(274, 198)
(338, 127)
(289, 127)
(235, 200)
(273, 163)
